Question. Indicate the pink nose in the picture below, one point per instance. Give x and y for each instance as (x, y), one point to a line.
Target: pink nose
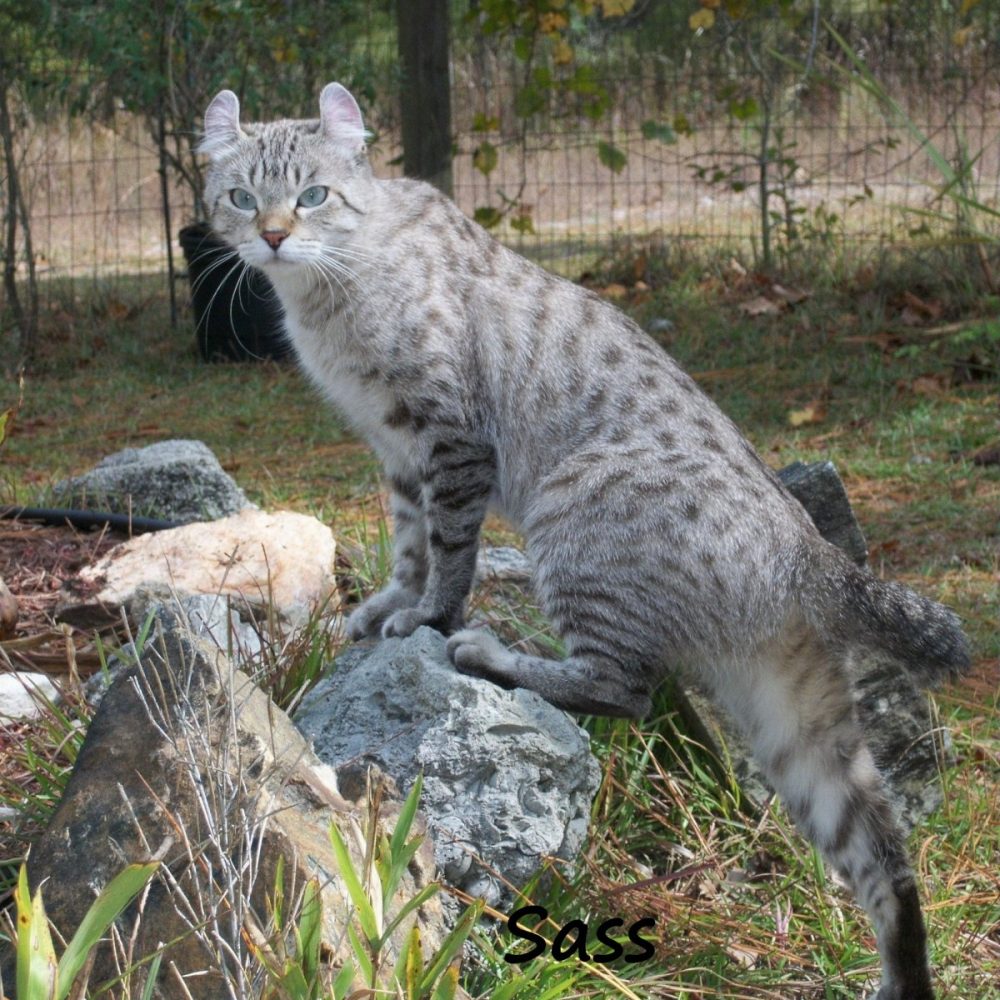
(274, 237)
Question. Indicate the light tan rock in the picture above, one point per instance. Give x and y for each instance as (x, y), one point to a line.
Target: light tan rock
(8, 611)
(279, 559)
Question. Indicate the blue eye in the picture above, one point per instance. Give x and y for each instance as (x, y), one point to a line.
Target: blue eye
(243, 200)
(314, 196)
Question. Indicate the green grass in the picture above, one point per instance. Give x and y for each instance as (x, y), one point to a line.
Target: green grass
(743, 906)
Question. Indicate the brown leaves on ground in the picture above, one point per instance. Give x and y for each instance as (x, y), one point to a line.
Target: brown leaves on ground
(915, 311)
(757, 293)
(811, 413)
(630, 284)
(35, 560)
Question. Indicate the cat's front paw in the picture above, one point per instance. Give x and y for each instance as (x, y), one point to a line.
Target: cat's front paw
(367, 620)
(405, 622)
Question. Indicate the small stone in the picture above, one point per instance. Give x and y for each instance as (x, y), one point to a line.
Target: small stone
(24, 695)
(819, 489)
(660, 325)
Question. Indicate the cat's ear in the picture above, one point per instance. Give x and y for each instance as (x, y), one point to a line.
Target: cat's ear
(222, 124)
(340, 116)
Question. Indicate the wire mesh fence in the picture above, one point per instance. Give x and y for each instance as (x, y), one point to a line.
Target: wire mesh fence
(752, 131)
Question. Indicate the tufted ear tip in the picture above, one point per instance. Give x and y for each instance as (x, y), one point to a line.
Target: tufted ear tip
(340, 116)
(222, 124)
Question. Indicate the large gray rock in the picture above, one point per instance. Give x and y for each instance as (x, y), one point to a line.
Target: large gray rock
(176, 480)
(818, 487)
(187, 760)
(508, 779)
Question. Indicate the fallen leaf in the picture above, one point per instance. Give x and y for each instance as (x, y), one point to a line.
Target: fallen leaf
(707, 889)
(813, 413)
(932, 310)
(639, 267)
(701, 20)
(747, 959)
(881, 548)
(735, 268)
(118, 310)
(793, 296)
(614, 291)
(760, 305)
(928, 385)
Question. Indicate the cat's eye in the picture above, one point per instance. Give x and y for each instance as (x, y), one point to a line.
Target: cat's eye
(243, 200)
(313, 196)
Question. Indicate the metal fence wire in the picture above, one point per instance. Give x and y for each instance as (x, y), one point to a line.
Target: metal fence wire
(730, 124)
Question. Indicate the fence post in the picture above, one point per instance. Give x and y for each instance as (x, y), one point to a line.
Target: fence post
(426, 92)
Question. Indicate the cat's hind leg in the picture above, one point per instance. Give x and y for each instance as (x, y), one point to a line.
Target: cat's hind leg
(795, 703)
(587, 682)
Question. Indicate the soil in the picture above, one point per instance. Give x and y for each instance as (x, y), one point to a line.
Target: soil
(36, 563)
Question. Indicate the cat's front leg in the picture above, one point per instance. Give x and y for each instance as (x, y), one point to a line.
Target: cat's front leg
(460, 479)
(410, 563)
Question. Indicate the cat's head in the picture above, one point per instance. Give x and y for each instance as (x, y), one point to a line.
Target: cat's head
(286, 193)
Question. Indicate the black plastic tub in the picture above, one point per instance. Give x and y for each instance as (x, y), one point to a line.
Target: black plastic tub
(235, 320)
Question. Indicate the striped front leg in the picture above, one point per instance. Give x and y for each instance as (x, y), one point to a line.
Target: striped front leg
(461, 477)
(410, 563)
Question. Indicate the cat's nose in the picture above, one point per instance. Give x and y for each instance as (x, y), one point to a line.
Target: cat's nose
(274, 237)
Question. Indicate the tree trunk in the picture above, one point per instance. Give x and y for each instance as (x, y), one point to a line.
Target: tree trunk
(426, 91)
(23, 304)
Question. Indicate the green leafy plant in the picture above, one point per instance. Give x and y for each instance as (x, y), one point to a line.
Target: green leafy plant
(297, 972)
(552, 79)
(40, 975)
(371, 890)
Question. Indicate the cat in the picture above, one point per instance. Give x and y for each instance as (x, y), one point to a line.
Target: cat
(658, 536)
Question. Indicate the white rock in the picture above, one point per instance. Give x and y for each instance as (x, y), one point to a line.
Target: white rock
(23, 695)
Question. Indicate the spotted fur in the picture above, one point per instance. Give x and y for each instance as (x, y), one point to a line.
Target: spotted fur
(658, 536)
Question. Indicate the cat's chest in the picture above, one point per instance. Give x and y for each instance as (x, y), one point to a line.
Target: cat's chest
(355, 386)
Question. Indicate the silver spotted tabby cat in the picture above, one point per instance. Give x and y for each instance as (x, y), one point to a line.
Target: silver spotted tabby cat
(657, 534)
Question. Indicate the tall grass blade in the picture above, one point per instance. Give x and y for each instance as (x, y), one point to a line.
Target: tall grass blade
(452, 944)
(113, 898)
(366, 915)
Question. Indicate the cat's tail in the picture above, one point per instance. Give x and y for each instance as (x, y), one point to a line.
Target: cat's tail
(850, 605)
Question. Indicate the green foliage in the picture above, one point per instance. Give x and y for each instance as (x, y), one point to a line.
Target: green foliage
(40, 976)
(658, 130)
(611, 156)
(485, 158)
(294, 973)
(372, 888)
(553, 80)
(775, 36)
